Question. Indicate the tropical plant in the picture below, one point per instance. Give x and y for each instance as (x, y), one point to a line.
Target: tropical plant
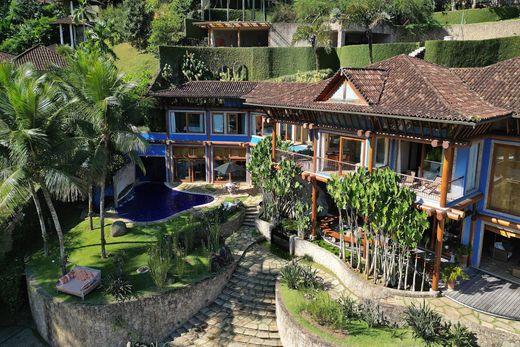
(99, 106)
(461, 336)
(317, 34)
(118, 285)
(367, 13)
(301, 218)
(452, 273)
(101, 38)
(349, 307)
(426, 324)
(193, 68)
(371, 312)
(161, 260)
(291, 275)
(138, 23)
(40, 152)
(85, 12)
(166, 30)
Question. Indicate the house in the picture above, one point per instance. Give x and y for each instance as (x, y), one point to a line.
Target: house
(451, 135)
(41, 57)
(72, 32)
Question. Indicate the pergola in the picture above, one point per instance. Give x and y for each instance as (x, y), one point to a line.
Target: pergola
(235, 25)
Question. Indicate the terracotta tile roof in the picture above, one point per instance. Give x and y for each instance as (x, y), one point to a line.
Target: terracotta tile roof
(411, 88)
(208, 89)
(5, 57)
(498, 84)
(41, 57)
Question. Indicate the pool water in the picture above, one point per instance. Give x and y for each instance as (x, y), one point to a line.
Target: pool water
(149, 202)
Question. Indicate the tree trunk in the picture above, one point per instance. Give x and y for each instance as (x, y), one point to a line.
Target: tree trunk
(474, 3)
(102, 218)
(43, 228)
(316, 58)
(227, 11)
(370, 53)
(91, 207)
(453, 5)
(57, 225)
(406, 264)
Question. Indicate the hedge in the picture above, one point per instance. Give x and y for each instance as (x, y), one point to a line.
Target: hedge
(270, 62)
(357, 55)
(472, 53)
(262, 62)
(477, 15)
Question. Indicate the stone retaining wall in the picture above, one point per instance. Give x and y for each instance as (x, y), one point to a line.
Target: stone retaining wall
(148, 319)
(234, 224)
(264, 228)
(349, 278)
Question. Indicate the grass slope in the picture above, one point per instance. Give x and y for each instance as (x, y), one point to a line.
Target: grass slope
(477, 15)
(133, 62)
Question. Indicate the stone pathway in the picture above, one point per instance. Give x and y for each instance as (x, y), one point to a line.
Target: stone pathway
(244, 314)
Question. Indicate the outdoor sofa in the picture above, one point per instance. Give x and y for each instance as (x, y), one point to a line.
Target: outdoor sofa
(79, 281)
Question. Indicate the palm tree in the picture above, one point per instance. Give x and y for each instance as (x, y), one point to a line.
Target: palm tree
(38, 149)
(98, 100)
(369, 14)
(317, 34)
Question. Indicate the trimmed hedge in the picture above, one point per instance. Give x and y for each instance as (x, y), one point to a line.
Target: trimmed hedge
(477, 15)
(472, 53)
(357, 55)
(270, 62)
(262, 62)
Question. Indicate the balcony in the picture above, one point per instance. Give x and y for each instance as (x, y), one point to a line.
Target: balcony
(431, 189)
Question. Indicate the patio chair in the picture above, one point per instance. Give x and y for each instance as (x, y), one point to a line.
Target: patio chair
(409, 180)
(432, 187)
(79, 281)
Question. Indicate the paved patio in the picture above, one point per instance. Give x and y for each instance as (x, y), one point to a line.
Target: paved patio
(489, 294)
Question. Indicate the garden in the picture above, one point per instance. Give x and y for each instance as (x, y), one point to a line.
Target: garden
(344, 321)
(146, 260)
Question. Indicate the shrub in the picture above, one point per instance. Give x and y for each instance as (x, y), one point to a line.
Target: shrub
(283, 12)
(357, 55)
(462, 336)
(370, 311)
(138, 23)
(310, 278)
(11, 289)
(324, 310)
(291, 275)
(426, 324)
(349, 307)
(452, 273)
(160, 261)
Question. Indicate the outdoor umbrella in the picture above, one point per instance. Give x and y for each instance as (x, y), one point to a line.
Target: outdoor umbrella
(229, 168)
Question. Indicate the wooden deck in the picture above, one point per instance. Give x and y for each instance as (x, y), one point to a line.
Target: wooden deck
(488, 294)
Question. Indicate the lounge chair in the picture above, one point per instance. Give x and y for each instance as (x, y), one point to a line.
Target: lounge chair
(79, 281)
(432, 187)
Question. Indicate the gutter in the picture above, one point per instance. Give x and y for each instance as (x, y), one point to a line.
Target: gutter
(472, 124)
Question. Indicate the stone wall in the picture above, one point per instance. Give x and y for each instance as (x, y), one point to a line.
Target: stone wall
(234, 223)
(264, 228)
(349, 278)
(147, 319)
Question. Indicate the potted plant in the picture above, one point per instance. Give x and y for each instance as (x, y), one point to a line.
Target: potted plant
(463, 253)
(451, 273)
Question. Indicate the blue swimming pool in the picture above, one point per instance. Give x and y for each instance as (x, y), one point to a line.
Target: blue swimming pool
(154, 201)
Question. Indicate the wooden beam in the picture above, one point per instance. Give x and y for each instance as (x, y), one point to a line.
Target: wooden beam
(498, 221)
(273, 142)
(438, 252)
(371, 153)
(447, 167)
(314, 211)
(423, 156)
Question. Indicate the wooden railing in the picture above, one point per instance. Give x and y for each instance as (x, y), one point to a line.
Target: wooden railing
(431, 189)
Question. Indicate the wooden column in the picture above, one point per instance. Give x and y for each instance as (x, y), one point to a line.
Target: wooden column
(371, 154)
(438, 251)
(273, 143)
(314, 150)
(314, 214)
(447, 166)
(423, 156)
(238, 37)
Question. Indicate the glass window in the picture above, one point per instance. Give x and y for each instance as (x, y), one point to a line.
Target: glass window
(381, 152)
(256, 126)
(351, 150)
(473, 166)
(187, 122)
(432, 162)
(504, 185)
(268, 129)
(298, 133)
(218, 123)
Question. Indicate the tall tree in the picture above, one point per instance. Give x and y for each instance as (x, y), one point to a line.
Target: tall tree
(39, 150)
(139, 22)
(369, 14)
(101, 100)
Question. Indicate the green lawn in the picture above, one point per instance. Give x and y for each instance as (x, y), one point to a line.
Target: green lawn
(83, 248)
(477, 15)
(133, 62)
(359, 335)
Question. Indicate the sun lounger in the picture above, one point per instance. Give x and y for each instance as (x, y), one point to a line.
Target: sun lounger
(79, 282)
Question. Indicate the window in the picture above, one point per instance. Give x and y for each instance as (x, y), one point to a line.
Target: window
(229, 123)
(218, 123)
(504, 184)
(286, 132)
(189, 122)
(346, 93)
(473, 166)
(381, 152)
(256, 126)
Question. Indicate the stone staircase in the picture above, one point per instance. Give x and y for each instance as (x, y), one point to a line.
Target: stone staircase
(251, 214)
(418, 53)
(244, 313)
